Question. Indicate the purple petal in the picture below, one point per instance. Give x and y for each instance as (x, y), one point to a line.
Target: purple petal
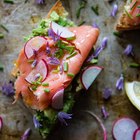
(61, 69)
(104, 42)
(95, 25)
(53, 61)
(120, 83)
(8, 89)
(1, 123)
(62, 116)
(40, 1)
(114, 10)
(54, 36)
(97, 52)
(48, 50)
(107, 93)
(34, 63)
(129, 50)
(104, 112)
(36, 122)
(26, 134)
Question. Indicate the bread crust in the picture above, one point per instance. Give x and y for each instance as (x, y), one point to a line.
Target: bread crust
(58, 8)
(123, 25)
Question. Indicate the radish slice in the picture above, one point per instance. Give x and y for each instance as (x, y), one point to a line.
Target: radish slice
(34, 44)
(57, 99)
(89, 75)
(124, 128)
(99, 121)
(41, 69)
(136, 135)
(62, 31)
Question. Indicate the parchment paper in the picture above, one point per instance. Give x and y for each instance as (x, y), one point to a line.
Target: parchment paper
(20, 18)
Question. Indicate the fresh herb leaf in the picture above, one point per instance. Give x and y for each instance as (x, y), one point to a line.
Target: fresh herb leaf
(73, 54)
(94, 61)
(65, 66)
(118, 34)
(128, 14)
(9, 1)
(82, 5)
(46, 90)
(138, 15)
(81, 23)
(95, 9)
(134, 5)
(45, 84)
(70, 75)
(1, 67)
(1, 35)
(134, 65)
(2, 26)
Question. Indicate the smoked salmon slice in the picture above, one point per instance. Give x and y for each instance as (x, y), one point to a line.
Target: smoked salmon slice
(85, 38)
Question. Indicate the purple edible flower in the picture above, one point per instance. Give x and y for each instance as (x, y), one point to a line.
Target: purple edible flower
(61, 69)
(54, 61)
(1, 123)
(99, 49)
(107, 93)
(62, 116)
(114, 10)
(34, 63)
(120, 83)
(95, 25)
(36, 122)
(104, 42)
(129, 50)
(40, 1)
(55, 37)
(48, 50)
(26, 134)
(8, 89)
(104, 112)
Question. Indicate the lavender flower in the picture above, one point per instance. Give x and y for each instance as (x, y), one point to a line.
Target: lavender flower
(40, 1)
(8, 89)
(129, 50)
(62, 116)
(34, 63)
(48, 50)
(54, 61)
(120, 83)
(95, 25)
(104, 112)
(104, 42)
(107, 93)
(55, 37)
(99, 49)
(1, 123)
(114, 10)
(26, 134)
(36, 122)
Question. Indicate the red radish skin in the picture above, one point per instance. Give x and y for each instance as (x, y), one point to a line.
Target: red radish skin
(34, 44)
(63, 32)
(100, 122)
(123, 128)
(41, 68)
(85, 71)
(136, 135)
(57, 99)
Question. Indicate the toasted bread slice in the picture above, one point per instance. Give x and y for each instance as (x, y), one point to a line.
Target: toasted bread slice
(123, 25)
(123, 22)
(59, 9)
